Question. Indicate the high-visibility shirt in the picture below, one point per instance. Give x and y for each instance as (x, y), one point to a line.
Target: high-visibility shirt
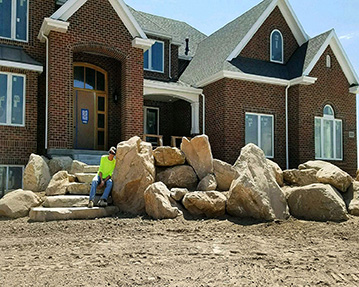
(106, 166)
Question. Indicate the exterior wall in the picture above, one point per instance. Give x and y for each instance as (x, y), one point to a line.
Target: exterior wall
(306, 102)
(259, 46)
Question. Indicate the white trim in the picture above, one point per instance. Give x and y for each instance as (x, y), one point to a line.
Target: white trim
(49, 25)
(326, 115)
(163, 36)
(328, 61)
(150, 68)
(21, 66)
(271, 49)
(354, 90)
(145, 108)
(143, 44)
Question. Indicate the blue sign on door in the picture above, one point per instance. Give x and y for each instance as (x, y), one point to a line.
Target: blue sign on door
(85, 116)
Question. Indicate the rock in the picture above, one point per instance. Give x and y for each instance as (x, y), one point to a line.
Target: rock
(335, 176)
(255, 193)
(134, 172)
(72, 178)
(66, 201)
(91, 168)
(58, 184)
(157, 202)
(60, 163)
(182, 176)
(224, 173)
(178, 193)
(357, 175)
(45, 159)
(17, 203)
(354, 207)
(317, 201)
(167, 156)
(300, 177)
(198, 154)
(207, 183)
(79, 188)
(351, 198)
(85, 177)
(77, 167)
(316, 164)
(277, 172)
(36, 174)
(209, 203)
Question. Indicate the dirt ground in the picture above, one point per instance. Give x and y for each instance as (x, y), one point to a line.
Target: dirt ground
(125, 251)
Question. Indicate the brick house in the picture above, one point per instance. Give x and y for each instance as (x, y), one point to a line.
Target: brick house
(79, 76)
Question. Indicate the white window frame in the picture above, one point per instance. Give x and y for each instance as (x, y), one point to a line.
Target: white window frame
(150, 59)
(9, 100)
(271, 38)
(334, 120)
(13, 23)
(145, 108)
(328, 61)
(7, 176)
(259, 130)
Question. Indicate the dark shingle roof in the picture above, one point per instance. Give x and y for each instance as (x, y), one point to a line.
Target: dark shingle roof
(17, 55)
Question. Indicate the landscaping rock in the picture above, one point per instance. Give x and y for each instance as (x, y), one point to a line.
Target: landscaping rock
(77, 167)
(91, 168)
(182, 176)
(72, 178)
(224, 173)
(66, 201)
(207, 183)
(178, 193)
(85, 177)
(198, 154)
(316, 164)
(277, 172)
(209, 203)
(167, 156)
(79, 188)
(17, 203)
(36, 174)
(134, 172)
(58, 184)
(60, 163)
(320, 202)
(300, 177)
(255, 193)
(354, 207)
(335, 176)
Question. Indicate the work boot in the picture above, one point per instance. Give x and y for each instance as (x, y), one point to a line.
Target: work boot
(91, 204)
(102, 203)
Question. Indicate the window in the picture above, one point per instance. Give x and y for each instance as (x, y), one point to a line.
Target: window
(88, 78)
(153, 59)
(328, 61)
(14, 19)
(276, 46)
(152, 123)
(328, 136)
(12, 99)
(259, 129)
(10, 178)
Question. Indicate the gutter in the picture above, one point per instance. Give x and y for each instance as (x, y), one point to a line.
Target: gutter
(286, 127)
(204, 114)
(47, 89)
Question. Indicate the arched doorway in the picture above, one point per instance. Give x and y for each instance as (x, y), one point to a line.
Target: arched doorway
(90, 107)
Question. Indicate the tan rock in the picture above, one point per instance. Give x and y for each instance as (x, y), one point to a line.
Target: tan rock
(317, 202)
(178, 193)
(85, 177)
(255, 193)
(300, 177)
(224, 173)
(209, 203)
(66, 201)
(77, 167)
(58, 184)
(60, 163)
(72, 178)
(207, 183)
(182, 176)
(316, 164)
(277, 172)
(36, 174)
(198, 154)
(17, 203)
(134, 172)
(354, 207)
(91, 168)
(335, 176)
(167, 156)
(79, 188)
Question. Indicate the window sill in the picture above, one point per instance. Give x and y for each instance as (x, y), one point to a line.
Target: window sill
(11, 125)
(155, 71)
(15, 40)
(329, 159)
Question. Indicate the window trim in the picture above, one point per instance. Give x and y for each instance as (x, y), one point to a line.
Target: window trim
(7, 177)
(9, 100)
(271, 39)
(13, 23)
(328, 61)
(150, 59)
(259, 130)
(145, 108)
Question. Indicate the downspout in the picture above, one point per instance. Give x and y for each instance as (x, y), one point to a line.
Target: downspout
(204, 114)
(286, 128)
(47, 89)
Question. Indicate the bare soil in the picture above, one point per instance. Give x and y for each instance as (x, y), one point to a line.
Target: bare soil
(125, 251)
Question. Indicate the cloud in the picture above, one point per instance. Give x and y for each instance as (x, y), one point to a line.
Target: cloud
(349, 36)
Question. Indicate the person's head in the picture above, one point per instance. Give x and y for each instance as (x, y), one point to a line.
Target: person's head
(112, 153)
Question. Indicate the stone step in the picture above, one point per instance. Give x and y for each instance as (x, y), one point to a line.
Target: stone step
(41, 214)
(91, 168)
(85, 177)
(78, 188)
(66, 201)
(89, 159)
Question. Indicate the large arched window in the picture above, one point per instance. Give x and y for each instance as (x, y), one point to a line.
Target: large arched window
(328, 136)
(276, 46)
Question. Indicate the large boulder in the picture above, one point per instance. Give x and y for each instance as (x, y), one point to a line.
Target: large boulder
(255, 193)
(17, 203)
(60, 163)
(277, 171)
(178, 193)
(182, 176)
(207, 183)
(224, 173)
(158, 202)
(317, 201)
(351, 198)
(168, 156)
(300, 177)
(198, 154)
(36, 174)
(58, 184)
(335, 176)
(316, 164)
(134, 172)
(209, 203)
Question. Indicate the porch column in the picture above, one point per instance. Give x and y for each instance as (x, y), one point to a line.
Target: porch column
(195, 118)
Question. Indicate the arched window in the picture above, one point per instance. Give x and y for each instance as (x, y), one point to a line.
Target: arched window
(329, 61)
(328, 136)
(276, 46)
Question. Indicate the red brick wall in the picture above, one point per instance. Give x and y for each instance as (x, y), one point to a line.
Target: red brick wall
(259, 46)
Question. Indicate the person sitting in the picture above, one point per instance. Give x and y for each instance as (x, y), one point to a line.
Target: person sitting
(103, 178)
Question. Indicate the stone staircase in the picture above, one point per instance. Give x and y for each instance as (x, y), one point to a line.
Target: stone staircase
(73, 205)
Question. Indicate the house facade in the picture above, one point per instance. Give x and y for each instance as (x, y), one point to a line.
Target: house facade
(79, 76)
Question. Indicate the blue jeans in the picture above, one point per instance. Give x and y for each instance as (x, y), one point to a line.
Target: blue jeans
(95, 182)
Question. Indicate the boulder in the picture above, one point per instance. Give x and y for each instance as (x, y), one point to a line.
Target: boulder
(72, 178)
(17, 203)
(351, 198)
(182, 176)
(300, 177)
(317, 201)
(58, 184)
(158, 202)
(60, 163)
(316, 164)
(85, 177)
(77, 167)
(207, 183)
(79, 188)
(198, 154)
(36, 174)
(354, 207)
(91, 168)
(168, 156)
(357, 175)
(335, 176)
(66, 201)
(178, 193)
(134, 172)
(209, 203)
(255, 193)
(277, 172)
(224, 173)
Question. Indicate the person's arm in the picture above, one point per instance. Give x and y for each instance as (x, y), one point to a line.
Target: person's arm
(107, 178)
(100, 174)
